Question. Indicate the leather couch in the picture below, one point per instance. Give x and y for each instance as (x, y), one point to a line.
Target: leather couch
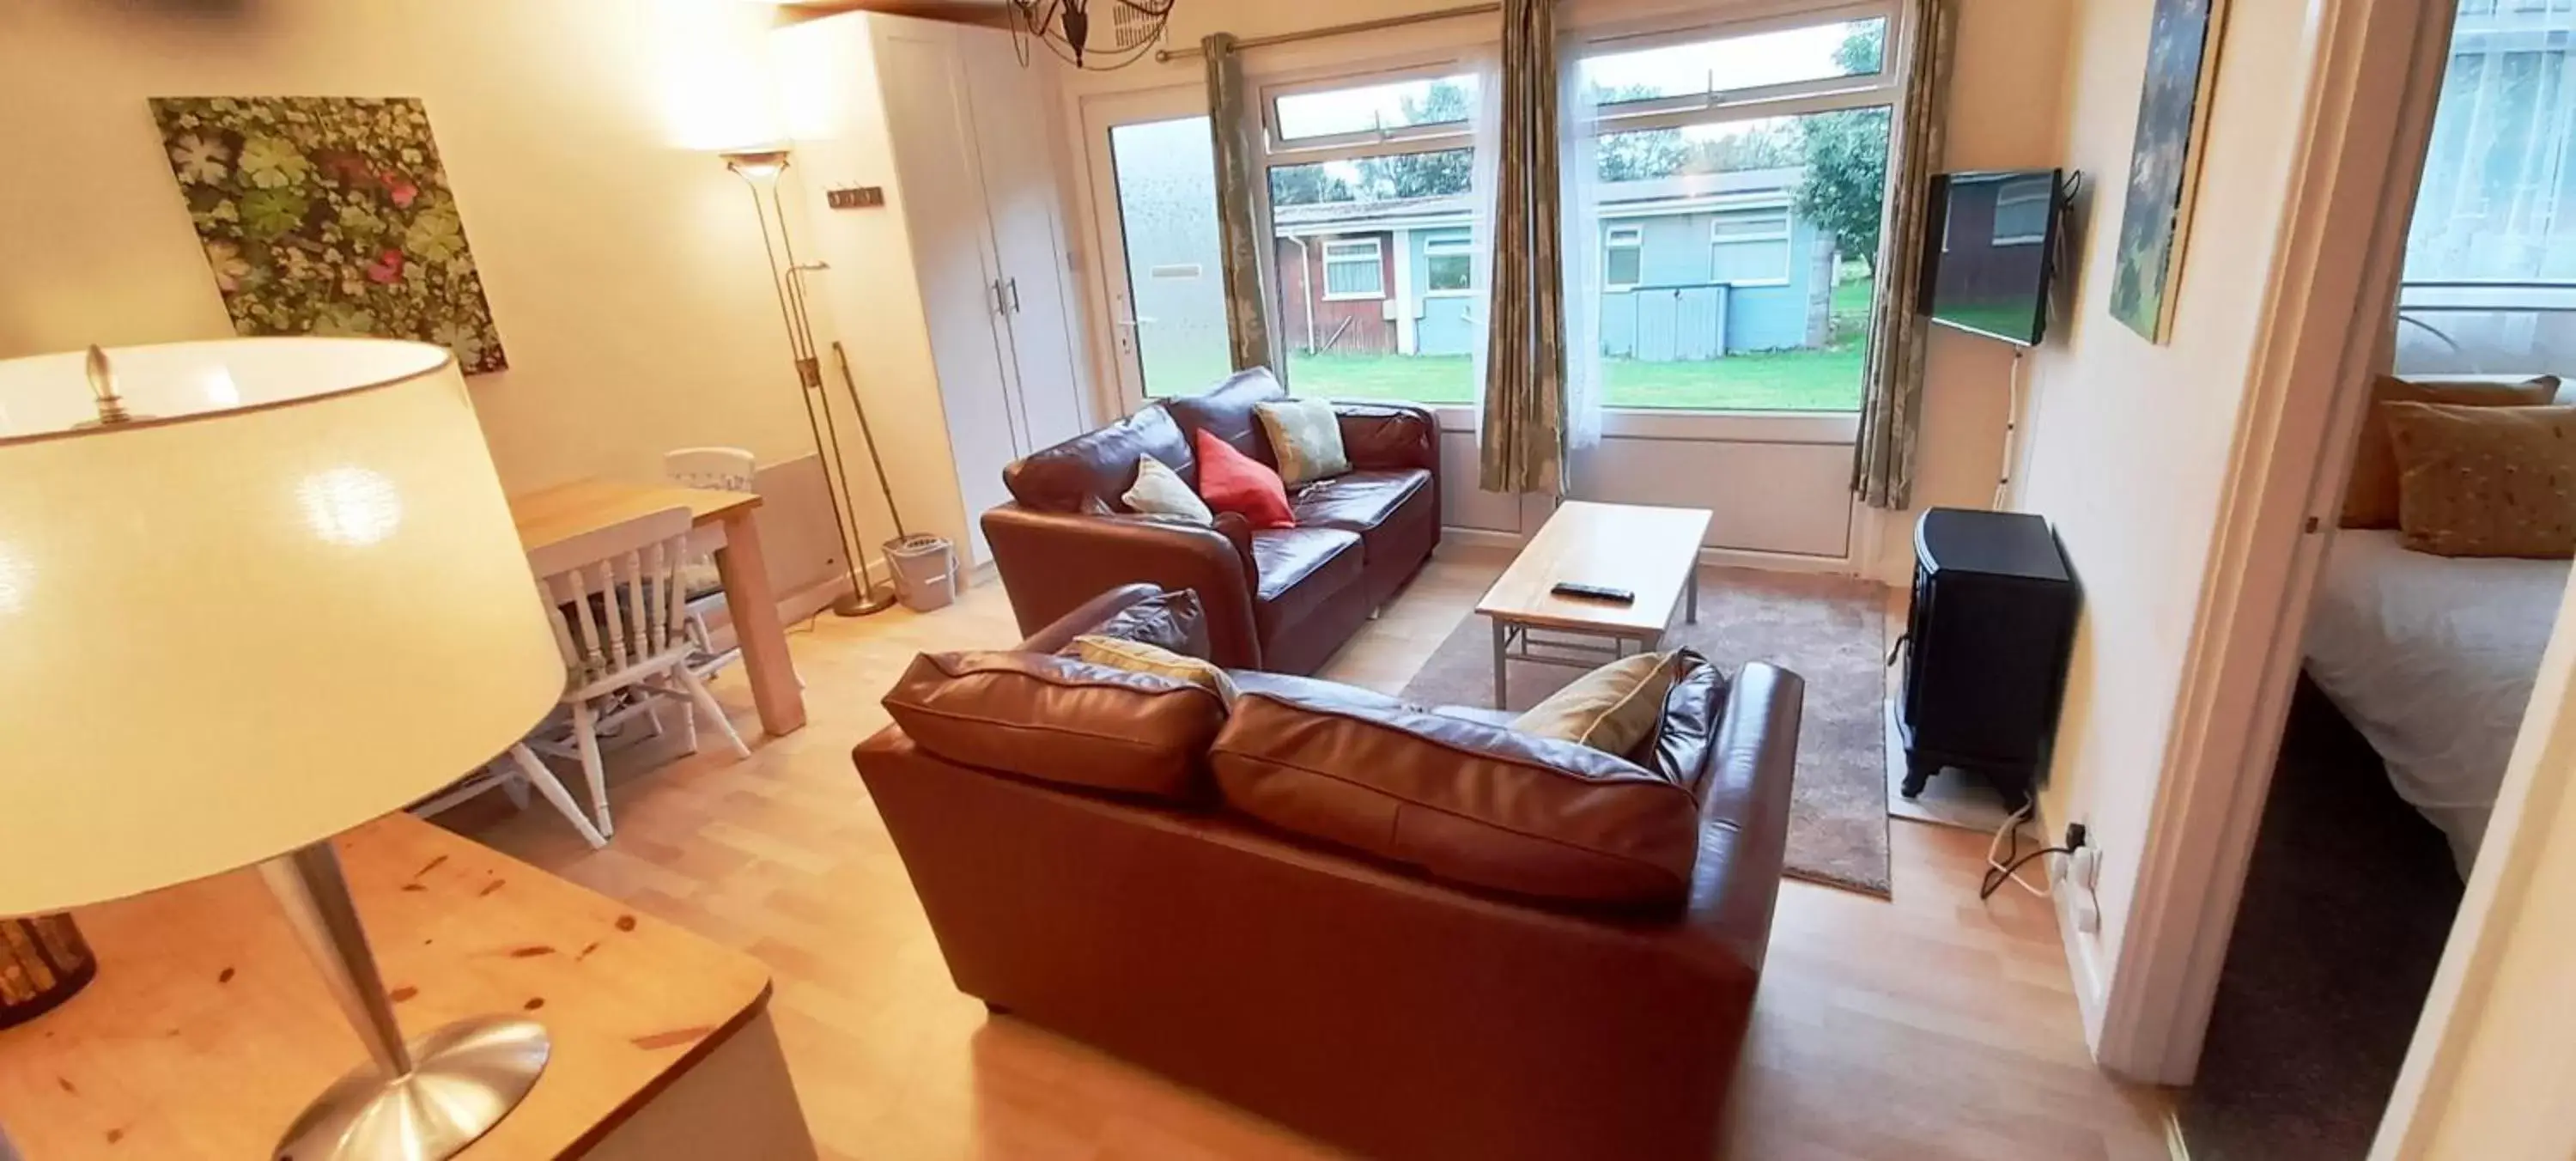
(1277, 599)
(1423, 990)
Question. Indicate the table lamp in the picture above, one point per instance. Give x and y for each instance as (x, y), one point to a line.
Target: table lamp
(223, 566)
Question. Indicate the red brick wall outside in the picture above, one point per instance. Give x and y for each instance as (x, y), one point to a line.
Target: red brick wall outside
(1351, 326)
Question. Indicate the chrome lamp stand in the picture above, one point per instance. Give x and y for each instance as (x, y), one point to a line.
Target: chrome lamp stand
(418, 1101)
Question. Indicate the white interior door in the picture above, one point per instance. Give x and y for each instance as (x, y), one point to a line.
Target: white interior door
(943, 204)
(1023, 206)
(1161, 274)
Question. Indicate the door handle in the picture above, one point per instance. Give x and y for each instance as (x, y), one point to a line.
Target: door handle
(1133, 323)
(1014, 284)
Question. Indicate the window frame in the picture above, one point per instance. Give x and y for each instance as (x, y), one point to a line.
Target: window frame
(1875, 90)
(1277, 150)
(1448, 248)
(1376, 261)
(1609, 242)
(1783, 236)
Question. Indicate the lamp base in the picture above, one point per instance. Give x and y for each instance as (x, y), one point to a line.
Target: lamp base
(465, 1077)
(858, 605)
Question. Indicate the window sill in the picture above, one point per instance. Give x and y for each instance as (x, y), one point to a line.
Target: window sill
(1377, 297)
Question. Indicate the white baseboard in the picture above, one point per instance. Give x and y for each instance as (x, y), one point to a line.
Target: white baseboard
(2084, 964)
(1719, 557)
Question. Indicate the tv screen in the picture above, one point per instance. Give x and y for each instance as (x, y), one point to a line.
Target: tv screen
(1987, 259)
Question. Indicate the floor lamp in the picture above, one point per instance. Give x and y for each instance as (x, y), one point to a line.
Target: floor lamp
(760, 169)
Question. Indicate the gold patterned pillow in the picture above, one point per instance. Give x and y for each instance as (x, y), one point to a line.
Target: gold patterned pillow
(2370, 499)
(1139, 657)
(1160, 491)
(1611, 708)
(2485, 481)
(1307, 438)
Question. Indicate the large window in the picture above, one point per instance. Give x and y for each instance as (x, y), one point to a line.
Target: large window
(1738, 183)
(2490, 275)
(1372, 236)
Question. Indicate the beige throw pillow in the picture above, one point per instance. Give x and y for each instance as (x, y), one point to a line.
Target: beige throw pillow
(1307, 438)
(2370, 500)
(1139, 657)
(1160, 491)
(1610, 709)
(2485, 481)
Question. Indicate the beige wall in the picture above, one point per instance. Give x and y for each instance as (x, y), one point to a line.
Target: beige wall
(621, 260)
(2129, 440)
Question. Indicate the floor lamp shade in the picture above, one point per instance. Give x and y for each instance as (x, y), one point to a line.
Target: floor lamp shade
(280, 597)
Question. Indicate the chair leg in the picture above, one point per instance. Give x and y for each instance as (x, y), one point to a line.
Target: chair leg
(534, 773)
(585, 734)
(706, 703)
(517, 790)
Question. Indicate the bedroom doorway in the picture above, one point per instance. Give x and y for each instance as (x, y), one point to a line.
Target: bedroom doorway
(2426, 616)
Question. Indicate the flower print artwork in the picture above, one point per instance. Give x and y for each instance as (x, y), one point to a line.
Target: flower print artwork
(329, 215)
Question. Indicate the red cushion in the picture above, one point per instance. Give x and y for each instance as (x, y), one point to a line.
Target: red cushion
(1231, 481)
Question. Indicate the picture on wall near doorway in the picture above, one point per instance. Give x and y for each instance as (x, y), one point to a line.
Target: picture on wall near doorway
(330, 216)
(2164, 163)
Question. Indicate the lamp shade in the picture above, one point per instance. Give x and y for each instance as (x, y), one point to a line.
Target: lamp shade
(285, 598)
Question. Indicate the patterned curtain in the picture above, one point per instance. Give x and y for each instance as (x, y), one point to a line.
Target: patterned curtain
(1891, 415)
(1525, 424)
(1247, 316)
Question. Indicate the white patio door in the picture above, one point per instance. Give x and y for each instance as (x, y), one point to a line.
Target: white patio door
(1152, 169)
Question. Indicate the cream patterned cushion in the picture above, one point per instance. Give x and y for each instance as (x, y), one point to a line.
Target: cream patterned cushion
(1139, 657)
(1610, 709)
(1307, 438)
(1159, 491)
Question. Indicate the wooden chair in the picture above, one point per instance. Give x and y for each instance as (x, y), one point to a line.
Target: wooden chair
(731, 469)
(513, 773)
(620, 619)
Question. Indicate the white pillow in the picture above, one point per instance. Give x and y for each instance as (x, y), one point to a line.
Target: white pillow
(1159, 491)
(1307, 438)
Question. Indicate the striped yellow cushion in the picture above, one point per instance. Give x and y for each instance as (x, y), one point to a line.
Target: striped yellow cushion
(1139, 657)
(1611, 708)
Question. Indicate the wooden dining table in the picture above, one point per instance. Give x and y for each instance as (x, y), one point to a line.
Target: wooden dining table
(724, 524)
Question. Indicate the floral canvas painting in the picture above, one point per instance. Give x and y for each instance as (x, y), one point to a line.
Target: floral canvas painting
(329, 216)
(2182, 52)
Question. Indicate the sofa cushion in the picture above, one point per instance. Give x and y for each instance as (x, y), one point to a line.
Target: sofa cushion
(1139, 657)
(1614, 707)
(1307, 438)
(1167, 620)
(1683, 738)
(1160, 491)
(1361, 500)
(1225, 411)
(1298, 569)
(1462, 801)
(1056, 719)
(1231, 481)
(1099, 465)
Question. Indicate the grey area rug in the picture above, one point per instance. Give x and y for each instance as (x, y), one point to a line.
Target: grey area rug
(1828, 630)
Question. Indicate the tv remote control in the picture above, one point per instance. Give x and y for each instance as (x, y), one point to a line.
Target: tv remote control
(1594, 592)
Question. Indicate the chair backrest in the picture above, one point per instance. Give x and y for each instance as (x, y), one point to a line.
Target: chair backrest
(729, 468)
(614, 594)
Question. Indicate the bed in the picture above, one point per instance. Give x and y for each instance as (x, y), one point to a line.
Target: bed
(2432, 658)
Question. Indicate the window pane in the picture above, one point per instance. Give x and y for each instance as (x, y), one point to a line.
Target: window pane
(1372, 108)
(1393, 326)
(1751, 249)
(2490, 275)
(1166, 184)
(1728, 64)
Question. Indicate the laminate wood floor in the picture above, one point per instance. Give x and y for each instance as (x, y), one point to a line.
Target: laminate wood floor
(1928, 1027)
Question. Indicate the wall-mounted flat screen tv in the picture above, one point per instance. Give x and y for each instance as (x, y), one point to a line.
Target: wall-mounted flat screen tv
(1986, 257)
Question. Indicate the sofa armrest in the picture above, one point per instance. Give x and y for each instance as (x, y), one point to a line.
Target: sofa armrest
(1389, 436)
(1051, 563)
(1086, 617)
(1744, 811)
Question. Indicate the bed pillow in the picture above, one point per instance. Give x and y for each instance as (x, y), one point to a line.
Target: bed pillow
(1160, 491)
(1231, 481)
(1306, 437)
(2370, 501)
(2485, 481)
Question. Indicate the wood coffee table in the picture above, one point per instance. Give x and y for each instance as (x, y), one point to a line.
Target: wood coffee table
(1652, 552)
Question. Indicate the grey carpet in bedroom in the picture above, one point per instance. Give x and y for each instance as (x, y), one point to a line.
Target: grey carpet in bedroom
(1829, 630)
(2347, 903)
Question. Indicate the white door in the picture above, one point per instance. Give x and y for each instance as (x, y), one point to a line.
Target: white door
(1161, 271)
(1022, 205)
(943, 205)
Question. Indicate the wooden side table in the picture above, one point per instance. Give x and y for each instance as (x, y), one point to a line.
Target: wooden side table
(207, 1029)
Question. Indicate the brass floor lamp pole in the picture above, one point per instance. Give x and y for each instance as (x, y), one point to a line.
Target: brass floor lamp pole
(759, 168)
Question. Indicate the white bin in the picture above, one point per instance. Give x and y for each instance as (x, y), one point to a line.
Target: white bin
(925, 571)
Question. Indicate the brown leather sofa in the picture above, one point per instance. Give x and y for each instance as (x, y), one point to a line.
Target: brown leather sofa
(1277, 599)
(1377, 1001)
